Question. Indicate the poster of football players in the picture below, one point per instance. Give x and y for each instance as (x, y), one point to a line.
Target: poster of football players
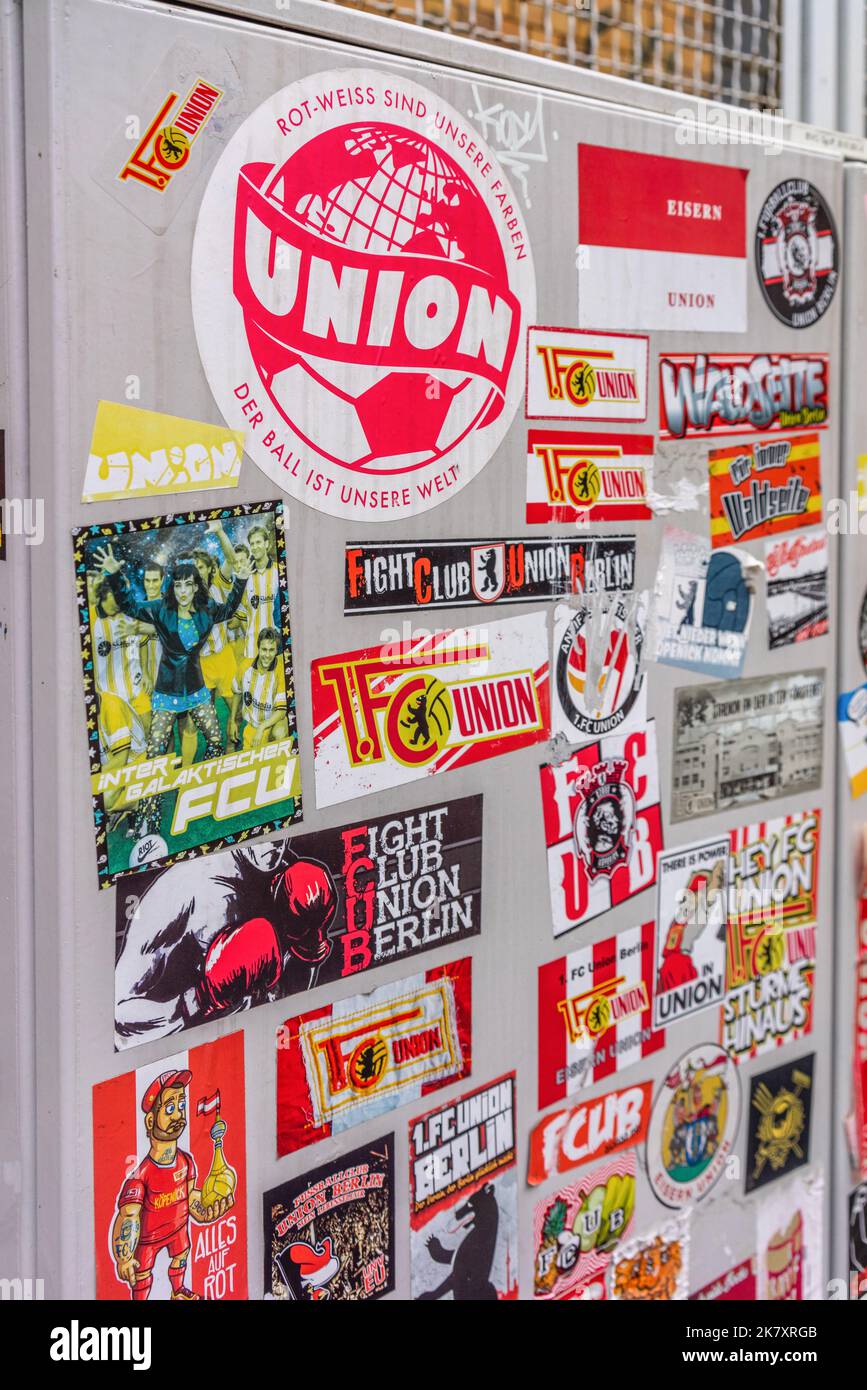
(329, 1234)
(187, 662)
(209, 937)
(169, 1178)
(463, 1198)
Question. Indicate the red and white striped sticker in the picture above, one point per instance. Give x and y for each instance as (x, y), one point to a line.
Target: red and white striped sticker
(583, 476)
(427, 703)
(662, 242)
(596, 1013)
(603, 825)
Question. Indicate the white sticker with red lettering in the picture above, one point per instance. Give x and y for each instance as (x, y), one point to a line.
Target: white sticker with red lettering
(387, 715)
(362, 283)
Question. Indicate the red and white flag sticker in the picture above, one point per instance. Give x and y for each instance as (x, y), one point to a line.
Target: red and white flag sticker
(662, 241)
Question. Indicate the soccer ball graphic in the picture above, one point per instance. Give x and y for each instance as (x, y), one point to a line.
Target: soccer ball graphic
(349, 263)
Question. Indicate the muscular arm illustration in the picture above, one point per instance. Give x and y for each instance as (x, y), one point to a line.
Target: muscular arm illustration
(124, 1240)
(164, 949)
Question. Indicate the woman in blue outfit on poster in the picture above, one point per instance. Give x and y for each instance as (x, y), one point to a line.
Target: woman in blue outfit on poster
(182, 618)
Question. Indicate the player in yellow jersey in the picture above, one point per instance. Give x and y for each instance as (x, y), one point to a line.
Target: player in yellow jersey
(122, 741)
(183, 619)
(218, 661)
(259, 607)
(117, 654)
(237, 628)
(153, 576)
(259, 701)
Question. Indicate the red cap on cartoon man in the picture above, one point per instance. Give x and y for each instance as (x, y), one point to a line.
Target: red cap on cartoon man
(159, 1083)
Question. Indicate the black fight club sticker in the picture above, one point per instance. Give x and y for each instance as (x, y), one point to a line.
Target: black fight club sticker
(260, 922)
(796, 253)
(779, 1122)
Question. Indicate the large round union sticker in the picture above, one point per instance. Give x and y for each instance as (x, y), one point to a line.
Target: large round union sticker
(796, 253)
(693, 1125)
(362, 283)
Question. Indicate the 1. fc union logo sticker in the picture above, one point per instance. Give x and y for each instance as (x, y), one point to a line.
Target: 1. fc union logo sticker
(583, 477)
(166, 144)
(576, 375)
(387, 715)
(350, 1061)
(599, 676)
(361, 285)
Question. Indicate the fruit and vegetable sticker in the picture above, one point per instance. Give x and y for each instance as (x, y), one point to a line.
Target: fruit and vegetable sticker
(576, 1229)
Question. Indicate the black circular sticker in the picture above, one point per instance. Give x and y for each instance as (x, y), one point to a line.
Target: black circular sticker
(862, 632)
(796, 253)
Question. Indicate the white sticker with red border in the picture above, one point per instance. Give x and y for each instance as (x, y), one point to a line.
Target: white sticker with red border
(573, 374)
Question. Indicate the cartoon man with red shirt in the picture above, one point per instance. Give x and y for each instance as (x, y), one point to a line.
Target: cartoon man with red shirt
(703, 908)
(160, 1195)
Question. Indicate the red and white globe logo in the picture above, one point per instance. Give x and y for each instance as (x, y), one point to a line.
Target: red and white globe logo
(361, 284)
